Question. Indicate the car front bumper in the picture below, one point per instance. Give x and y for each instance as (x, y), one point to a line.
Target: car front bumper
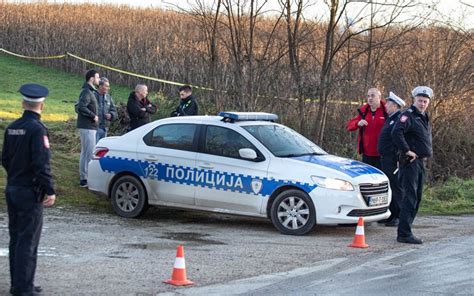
(345, 207)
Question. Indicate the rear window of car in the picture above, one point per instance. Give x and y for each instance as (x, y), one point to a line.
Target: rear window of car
(172, 136)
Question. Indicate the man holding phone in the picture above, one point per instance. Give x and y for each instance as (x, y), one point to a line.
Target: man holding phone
(412, 135)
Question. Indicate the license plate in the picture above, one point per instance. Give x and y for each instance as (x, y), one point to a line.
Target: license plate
(378, 200)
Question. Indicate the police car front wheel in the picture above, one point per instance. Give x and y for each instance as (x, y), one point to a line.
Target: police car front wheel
(292, 212)
(129, 197)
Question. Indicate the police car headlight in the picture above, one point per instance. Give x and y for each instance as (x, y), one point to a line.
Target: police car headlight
(330, 183)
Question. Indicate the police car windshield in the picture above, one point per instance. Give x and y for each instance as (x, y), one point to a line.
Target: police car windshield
(283, 141)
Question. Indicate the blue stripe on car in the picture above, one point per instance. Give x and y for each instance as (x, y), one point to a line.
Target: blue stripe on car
(194, 177)
(347, 166)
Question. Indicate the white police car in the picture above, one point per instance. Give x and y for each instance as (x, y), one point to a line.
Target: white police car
(236, 163)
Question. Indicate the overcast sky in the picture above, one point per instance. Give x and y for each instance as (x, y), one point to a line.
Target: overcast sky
(458, 11)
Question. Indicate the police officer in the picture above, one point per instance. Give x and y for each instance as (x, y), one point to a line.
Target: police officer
(389, 155)
(187, 103)
(412, 135)
(25, 157)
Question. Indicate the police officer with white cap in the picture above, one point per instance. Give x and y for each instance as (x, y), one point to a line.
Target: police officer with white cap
(25, 156)
(389, 155)
(412, 135)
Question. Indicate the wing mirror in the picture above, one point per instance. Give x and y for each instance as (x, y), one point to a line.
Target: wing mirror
(247, 153)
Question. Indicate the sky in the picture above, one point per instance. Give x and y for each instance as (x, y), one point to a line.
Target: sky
(460, 12)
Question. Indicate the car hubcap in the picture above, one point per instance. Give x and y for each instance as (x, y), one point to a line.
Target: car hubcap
(293, 212)
(127, 197)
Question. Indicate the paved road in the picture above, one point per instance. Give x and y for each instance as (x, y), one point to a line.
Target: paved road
(440, 268)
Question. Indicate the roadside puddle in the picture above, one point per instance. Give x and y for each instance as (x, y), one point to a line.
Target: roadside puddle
(188, 238)
(196, 238)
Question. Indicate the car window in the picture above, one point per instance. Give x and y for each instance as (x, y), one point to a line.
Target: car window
(283, 141)
(225, 142)
(173, 136)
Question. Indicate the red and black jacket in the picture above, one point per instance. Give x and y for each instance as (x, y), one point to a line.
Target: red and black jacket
(368, 135)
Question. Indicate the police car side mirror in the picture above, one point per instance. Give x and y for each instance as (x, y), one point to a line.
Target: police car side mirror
(247, 153)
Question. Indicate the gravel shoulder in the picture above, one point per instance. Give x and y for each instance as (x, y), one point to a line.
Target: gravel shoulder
(90, 253)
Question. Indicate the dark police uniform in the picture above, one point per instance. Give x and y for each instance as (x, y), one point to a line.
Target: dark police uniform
(389, 160)
(187, 107)
(411, 132)
(26, 157)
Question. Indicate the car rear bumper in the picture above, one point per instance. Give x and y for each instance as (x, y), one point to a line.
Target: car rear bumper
(97, 179)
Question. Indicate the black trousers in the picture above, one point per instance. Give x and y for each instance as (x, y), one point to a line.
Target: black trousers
(25, 220)
(372, 160)
(412, 176)
(389, 165)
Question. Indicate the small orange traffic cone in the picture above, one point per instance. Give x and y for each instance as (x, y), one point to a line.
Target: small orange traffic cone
(359, 238)
(178, 278)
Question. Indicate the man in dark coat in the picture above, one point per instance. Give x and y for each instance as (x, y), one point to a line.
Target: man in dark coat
(389, 156)
(187, 105)
(87, 122)
(26, 158)
(139, 107)
(412, 136)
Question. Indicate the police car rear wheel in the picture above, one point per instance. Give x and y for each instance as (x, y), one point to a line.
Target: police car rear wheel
(129, 197)
(292, 212)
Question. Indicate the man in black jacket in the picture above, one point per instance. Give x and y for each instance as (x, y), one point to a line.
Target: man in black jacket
(389, 156)
(87, 122)
(139, 107)
(26, 157)
(412, 135)
(187, 105)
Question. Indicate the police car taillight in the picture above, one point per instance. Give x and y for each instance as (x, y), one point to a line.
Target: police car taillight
(100, 152)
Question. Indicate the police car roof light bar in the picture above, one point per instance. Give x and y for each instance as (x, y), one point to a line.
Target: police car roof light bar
(248, 116)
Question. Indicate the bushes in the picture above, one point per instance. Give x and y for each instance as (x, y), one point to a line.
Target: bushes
(167, 45)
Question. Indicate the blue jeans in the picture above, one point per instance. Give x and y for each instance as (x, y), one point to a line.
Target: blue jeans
(101, 133)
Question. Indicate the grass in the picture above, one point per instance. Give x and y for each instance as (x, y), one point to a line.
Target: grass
(456, 196)
(453, 197)
(64, 89)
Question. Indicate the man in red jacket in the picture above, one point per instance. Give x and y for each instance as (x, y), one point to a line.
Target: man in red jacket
(369, 122)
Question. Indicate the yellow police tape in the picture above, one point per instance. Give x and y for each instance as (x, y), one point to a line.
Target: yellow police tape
(33, 58)
(148, 77)
(134, 74)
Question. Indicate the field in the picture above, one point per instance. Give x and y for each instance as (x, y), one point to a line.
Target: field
(454, 197)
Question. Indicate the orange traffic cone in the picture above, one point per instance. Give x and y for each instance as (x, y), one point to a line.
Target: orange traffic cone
(178, 278)
(359, 238)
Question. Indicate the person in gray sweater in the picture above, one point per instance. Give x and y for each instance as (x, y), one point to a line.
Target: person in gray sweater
(87, 122)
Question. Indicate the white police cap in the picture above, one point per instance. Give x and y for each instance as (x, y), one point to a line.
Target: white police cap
(423, 91)
(394, 98)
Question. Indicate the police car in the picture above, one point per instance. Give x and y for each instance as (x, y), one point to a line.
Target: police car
(236, 163)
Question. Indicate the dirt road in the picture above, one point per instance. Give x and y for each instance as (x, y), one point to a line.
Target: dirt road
(92, 253)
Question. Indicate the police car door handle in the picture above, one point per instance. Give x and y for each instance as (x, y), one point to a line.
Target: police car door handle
(206, 166)
(151, 157)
